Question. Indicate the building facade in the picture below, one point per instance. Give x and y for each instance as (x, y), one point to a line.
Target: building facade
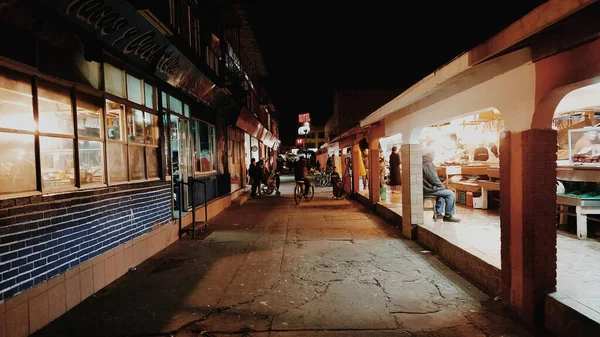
(117, 118)
(540, 70)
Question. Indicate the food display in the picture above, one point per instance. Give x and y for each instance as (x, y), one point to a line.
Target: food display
(584, 146)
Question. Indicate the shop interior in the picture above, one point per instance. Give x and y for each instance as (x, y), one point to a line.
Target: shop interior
(467, 161)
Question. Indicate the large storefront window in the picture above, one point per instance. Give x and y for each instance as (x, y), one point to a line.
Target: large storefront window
(71, 131)
(204, 147)
(17, 152)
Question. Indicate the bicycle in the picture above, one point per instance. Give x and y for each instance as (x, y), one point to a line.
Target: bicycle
(299, 192)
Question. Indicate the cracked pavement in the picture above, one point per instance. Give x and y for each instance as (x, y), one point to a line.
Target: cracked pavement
(271, 268)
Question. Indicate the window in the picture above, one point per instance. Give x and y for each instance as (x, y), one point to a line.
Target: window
(108, 139)
(16, 110)
(91, 139)
(114, 80)
(133, 155)
(17, 163)
(204, 143)
(135, 89)
(149, 96)
(57, 136)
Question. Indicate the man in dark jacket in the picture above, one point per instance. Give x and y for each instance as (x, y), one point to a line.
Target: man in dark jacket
(301, 172)
(255, 177)
(432, 185)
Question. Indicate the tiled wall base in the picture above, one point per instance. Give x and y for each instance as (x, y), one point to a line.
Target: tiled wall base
(475, 269)
(569, 319)
(33, 309)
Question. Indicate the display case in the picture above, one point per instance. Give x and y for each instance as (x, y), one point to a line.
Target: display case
(584, 146)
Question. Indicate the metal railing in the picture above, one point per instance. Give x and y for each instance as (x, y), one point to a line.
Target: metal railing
(191, 183)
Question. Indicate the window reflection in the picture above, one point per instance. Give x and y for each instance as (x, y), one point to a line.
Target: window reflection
(16, 106)
(135, 125)
(151, 128)
(91, 165)
(117, 162)
(136, 162)
(89, 112)
(55, 114)
(17, 163)
(114, 120)
(57, 162)
(152, 159)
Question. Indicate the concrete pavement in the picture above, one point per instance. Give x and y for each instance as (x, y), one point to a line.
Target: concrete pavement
(272, 268)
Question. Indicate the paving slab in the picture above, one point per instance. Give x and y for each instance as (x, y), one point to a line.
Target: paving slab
(270, 268)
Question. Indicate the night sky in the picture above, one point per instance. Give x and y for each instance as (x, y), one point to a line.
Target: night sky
(311, 48)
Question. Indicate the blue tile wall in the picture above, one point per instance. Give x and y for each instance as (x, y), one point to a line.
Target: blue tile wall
(45, 236)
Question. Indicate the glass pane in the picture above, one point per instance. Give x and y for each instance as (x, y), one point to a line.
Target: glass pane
(114, 120)
(149, 95)
(152, 158)
(195, 136)
(17, 163)
(136, 162)
(88, 72)
(16, 108)
(117, 162)
(91, 163)
(57, 162)
(165, 103)
(134, 89)
(166, 133)
(114, 79)
(175, 105)
(135, 126)
(206, 150)
(89, 116)
(151, 128)
(186, 110)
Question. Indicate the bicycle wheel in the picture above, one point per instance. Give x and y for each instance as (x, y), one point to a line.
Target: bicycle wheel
(311, 193)
(298, 194)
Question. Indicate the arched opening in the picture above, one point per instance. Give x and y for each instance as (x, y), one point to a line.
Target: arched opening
(389, 189)
(463, 154)
(578, 194)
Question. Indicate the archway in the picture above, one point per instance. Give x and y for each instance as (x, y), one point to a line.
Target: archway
(578, 193)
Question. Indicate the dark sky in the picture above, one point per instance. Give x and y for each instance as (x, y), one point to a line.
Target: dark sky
(311, 48)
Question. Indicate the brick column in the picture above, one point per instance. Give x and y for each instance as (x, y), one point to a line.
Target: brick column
(528, 220)
(355, 171)
(412, 189)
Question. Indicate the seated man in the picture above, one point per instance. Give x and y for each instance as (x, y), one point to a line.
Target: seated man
(433, 186)
(301, 172)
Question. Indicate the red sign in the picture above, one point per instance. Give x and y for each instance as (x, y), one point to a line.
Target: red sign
(303, 118)
(299, 141)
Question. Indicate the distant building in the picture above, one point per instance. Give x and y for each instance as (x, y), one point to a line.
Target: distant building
(315, 138)
(350, 106)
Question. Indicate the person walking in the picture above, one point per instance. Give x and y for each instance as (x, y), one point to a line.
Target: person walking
(395, 179)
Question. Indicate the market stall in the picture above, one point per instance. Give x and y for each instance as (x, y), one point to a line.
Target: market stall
(467, 156)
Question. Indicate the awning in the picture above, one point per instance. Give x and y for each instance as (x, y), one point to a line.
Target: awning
(249, 123)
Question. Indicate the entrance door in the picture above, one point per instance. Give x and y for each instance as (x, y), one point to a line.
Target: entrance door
(180, 160)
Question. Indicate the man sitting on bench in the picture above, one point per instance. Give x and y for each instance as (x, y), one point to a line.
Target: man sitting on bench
(432, 185)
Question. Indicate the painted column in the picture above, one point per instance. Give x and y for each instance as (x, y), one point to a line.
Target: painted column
(528, 220)
(412, 189)
(356, 157)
